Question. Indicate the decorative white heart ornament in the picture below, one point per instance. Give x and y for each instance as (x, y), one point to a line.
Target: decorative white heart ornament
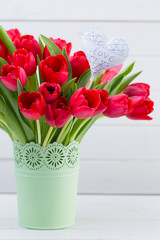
(101, 53)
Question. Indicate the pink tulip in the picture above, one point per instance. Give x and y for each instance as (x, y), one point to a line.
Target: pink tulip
(104, 102)
(32, 105)
(137, 89)
(118, 106)
(141, 108)
(110, 74)
(50, 91)
(58, 113)
(10, 74)
(84, 103)
(25, 60)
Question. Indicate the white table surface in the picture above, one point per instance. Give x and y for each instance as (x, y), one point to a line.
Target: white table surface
(97, 218)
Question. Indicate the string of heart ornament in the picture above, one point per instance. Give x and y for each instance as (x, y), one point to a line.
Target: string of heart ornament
(102, 53)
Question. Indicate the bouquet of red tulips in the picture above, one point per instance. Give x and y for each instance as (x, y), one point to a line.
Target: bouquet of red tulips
(48, 96)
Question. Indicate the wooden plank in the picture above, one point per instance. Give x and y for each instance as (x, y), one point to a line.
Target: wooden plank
(89, 10)
(143, 38)
(102, 176)
(120, 177)
(97, 217)
(124, 143)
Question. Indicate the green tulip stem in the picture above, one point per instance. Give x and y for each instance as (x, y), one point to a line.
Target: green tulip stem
(38, 132)
(64, 131)
(48, 136)
(77, 126)
(30, 84)
(86, 127)
(83, 127)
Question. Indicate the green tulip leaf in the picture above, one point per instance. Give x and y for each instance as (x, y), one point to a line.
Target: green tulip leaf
(69, 65)
(26, 133)
(67, 86)
(32, 83)
(5, 128)
(41, 46)
(7, 41)
(52, 47)
(74, 88)
(119, 77)
(9, 120)
(125, 82)
(19, 87)
(2, 104)
(85, 128)
(97, 79)
(3, 62)
(101, 85)
(66, 141)
(44, 128)
(39, 73)
(108, 88)
(84, 79)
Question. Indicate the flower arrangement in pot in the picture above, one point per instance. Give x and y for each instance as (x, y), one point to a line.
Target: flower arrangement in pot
(48, 101)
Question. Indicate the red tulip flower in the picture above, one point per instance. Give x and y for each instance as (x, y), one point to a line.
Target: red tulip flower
(118, 106)
(4, 53)
(137, 89)
(79, 64)
(104, 102)
(13, 33)
(54, 69)
(84, 102)
(141, 108)
(32, 105)
(58, 113)
(3, 50)
(10, 74)
(25, 60)
(29, 43)
(60, 43)
(110, 74)
(50, 91)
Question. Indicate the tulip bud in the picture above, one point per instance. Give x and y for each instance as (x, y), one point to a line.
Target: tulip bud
(50, 91)
(13, 33)
(104, 102)
(84, 102)
(58, 113)
(32, 105)
(141, 108)
(118, 106)
(25, 60)
(3, 50)
(110, 74)
(10, 74)
(29, 43)
(54, 69)
(137, 89)
(61, 44)
(79, 64)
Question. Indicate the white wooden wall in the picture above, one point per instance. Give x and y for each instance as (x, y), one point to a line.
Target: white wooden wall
(118, 155)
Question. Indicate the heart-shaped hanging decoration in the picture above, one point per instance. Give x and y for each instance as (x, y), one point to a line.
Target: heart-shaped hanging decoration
(101, 53)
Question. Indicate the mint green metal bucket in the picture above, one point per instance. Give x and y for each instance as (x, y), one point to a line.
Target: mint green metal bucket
(47, 180)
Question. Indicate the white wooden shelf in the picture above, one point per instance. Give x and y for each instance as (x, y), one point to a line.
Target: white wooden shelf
(98, 218)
